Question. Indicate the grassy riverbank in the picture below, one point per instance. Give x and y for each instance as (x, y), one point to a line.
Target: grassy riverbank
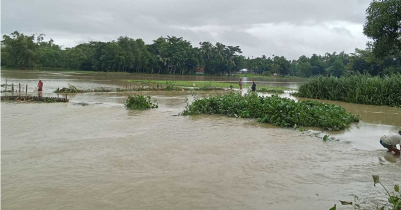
(361, 89)
(275, 110)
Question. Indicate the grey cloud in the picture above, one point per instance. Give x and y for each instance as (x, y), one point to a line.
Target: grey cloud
(225, 21)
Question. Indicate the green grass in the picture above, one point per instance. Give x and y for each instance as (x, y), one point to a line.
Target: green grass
(361, 89)
(275, 110)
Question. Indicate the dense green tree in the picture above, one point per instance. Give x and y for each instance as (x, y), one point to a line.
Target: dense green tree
(383, 25)
(317, 66)
(304, 67)
(175, 55)
(21, 51)
(338, 68)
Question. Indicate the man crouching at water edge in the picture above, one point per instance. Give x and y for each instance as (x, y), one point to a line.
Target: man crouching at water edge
(390, 142)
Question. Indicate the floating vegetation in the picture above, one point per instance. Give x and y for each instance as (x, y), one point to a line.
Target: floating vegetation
(200, 85)
(33, 98)
(275, 110)
(100, 90)
(70, 89)
(270, 90)
(140, 102)
(156, 85)
(361, 89)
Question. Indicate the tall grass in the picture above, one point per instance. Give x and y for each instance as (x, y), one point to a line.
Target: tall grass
(275, 110)
(362, 89)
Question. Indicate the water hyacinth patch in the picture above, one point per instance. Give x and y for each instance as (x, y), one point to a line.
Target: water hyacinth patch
(275, 110)
(140, 102)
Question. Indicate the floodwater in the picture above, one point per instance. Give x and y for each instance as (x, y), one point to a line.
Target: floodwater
(92, 153)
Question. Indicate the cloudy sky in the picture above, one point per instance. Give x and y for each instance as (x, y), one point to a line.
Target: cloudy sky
(260, 27)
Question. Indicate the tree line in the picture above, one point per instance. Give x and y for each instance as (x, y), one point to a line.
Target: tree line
(175, 55)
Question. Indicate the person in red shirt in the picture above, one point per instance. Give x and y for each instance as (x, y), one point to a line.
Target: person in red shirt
(40, 85)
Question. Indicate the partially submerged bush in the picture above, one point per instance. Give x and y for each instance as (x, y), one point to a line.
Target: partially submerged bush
(70, 89)
(140, 102)
(361, 89)
(268, 90)
(275, 110)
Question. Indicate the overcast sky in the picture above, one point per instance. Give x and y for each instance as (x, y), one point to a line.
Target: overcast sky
(260, 27)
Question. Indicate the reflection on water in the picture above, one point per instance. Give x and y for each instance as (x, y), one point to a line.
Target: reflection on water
(92, 153)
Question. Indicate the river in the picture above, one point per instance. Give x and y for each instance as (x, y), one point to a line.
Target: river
(92, 153)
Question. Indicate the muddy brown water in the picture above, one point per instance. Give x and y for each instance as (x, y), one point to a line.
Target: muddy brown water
(92, 153)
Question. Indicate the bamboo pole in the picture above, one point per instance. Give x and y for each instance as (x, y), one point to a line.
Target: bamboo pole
(26, 89)
(19, 89)
(12, 87)
(6, 85)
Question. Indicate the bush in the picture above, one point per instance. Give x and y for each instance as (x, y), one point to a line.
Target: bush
(362, 89)
(275, 110)
(140, 102)
(267, 90)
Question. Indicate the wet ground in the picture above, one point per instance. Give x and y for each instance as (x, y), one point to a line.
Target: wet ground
(92, 153)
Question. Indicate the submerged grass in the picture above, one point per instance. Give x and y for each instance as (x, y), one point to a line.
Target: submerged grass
(194, 84)
(203, 85)
(140, 102)
(361, 89)
(275, 110)
(33, 99)
(270, 90)
(269, 76)
(70, 89)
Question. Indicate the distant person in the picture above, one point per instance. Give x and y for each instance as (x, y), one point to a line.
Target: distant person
(240, 84)
(40, 85)
(390, 142)
(253, 86)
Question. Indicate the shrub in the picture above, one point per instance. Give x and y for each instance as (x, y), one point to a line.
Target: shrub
(267, 90)
(140, 102)
(362, 89)
(275, 110)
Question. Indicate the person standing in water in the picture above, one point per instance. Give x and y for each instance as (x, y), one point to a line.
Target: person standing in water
(240, 84)
(390, 142)
(253, 86)
(40, 86)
